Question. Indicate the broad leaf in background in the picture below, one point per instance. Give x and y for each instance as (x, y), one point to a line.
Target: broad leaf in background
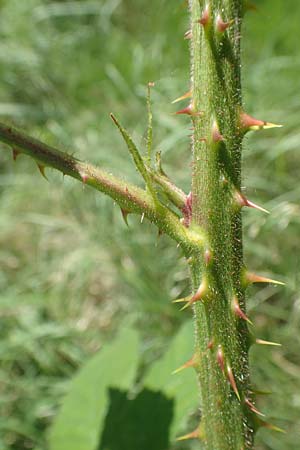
(181, 387)
(80, 421)
(141, 423)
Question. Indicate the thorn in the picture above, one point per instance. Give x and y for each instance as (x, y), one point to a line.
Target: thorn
(220, 358)
(259, 392)
(125, 215)
(232, 382)
(15, 153)
(250, 123)
(216, 135)
(198, 296)
(243, 201)
(196, 434)
(207, 257)
(205, 19)
(190, 363)
(255, 206)
(221, 25)
(238, 311)
(253, 278)
(210, 344)
(183, 97)
(84, 177)
(252, 408)
(270, 426)
(262, 342)
(42, 170)
(189, 110)
(188, 34)
(187, 210)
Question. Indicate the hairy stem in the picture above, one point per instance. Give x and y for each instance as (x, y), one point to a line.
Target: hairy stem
(130, 198)
(222, 338)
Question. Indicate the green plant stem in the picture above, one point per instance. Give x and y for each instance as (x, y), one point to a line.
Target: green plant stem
(222, 338)
(129, 197)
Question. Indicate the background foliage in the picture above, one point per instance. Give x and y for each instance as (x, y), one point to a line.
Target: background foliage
(72, 274)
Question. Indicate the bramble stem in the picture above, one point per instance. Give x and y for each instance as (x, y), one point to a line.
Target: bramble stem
(221, 337)
(129, 197)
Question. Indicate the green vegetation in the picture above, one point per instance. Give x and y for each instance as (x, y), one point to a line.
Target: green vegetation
(71, 271)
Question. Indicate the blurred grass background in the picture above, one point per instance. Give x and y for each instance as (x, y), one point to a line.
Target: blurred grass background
(71, 270)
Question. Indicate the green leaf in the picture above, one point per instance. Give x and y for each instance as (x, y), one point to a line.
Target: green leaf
(140, 423)
(80, 421)
(182, 387)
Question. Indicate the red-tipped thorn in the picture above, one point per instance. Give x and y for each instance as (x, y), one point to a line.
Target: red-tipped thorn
(125, 215)
(252, 408)
(196, 434)
(205, 19)
(222, 26)
(243, 201)
(232, 382)
(250, 123)
(189, 110)
(198, 296)
(183, 97)
(42, 171)
(255, 206)
(190, 363)
(220, 358)
(262, 342)
(15, 153)
(238, 311)
(253, 278)
(216, 135)
(187, 210)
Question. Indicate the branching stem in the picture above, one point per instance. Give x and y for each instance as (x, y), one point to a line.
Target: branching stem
(129, 197)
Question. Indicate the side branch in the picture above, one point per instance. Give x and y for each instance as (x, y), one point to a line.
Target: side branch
(129, 197)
